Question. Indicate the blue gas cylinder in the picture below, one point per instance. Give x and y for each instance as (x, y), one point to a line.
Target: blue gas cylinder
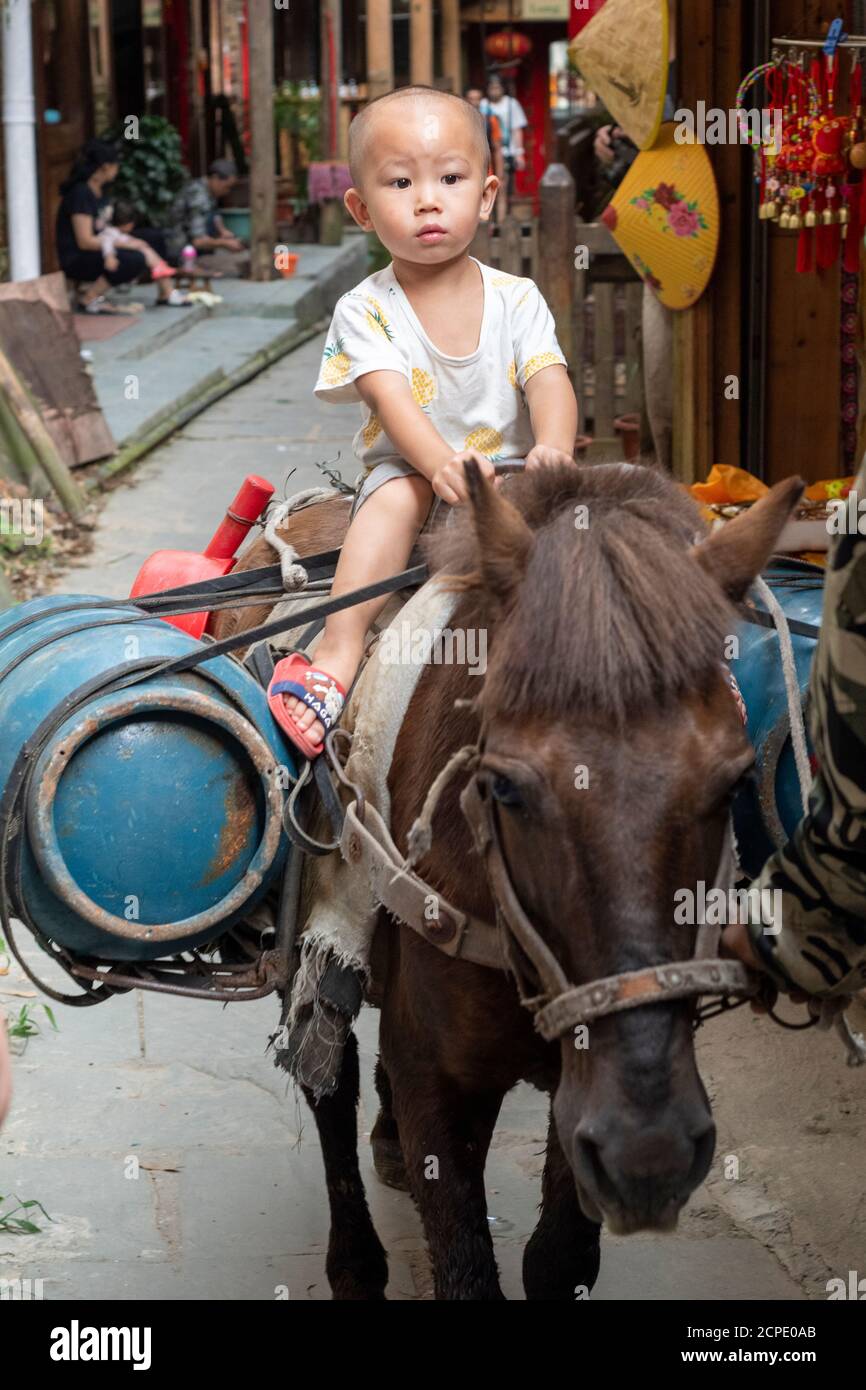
(152, 819)
(766, 815)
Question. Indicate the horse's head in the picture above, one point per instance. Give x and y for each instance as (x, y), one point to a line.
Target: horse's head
(611, 749)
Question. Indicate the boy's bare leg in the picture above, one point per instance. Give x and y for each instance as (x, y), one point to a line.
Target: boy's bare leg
(378, 544)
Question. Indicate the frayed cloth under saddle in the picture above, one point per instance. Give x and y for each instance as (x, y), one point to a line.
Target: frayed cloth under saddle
(338, 907)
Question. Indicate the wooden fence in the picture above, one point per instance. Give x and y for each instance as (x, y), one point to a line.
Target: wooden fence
(597, 310)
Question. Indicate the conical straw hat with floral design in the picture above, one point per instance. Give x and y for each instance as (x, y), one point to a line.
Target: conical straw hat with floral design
(623, 54)
(665, 216)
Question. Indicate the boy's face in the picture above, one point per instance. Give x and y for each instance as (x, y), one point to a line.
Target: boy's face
(422, 168)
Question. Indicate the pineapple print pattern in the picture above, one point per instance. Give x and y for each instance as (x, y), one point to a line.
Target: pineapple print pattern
(371, 431)
(376, 319)
(486, 440)
(543, 359)
(423, 387)
(336, 364)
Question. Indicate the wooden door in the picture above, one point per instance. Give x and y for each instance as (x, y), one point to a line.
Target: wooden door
(64, 105)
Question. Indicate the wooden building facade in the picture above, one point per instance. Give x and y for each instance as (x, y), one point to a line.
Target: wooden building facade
(772, 330)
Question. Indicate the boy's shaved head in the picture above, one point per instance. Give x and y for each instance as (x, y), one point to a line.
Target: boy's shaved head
(362, 128)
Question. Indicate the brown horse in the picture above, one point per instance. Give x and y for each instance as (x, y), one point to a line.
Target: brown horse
(611, 746)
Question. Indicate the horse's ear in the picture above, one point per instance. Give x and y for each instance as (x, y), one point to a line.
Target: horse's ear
(736, 554)
(504, 539)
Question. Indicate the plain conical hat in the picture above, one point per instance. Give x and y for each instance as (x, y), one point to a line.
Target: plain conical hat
(623, 54)
(665, 216)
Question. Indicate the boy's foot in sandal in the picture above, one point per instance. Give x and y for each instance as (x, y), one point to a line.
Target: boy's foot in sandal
(300, 690)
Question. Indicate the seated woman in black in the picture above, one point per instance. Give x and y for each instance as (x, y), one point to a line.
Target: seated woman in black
(80, 218)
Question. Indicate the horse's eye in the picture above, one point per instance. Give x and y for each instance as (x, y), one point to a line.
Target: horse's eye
(505, 792)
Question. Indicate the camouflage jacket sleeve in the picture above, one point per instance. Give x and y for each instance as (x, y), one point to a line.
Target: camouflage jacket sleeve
(199, 205)
(820, 945)
(189, 212)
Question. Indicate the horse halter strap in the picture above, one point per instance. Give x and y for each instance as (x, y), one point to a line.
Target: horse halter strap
(561, 1006)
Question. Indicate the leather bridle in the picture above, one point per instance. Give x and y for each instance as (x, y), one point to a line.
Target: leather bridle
(557, 1005)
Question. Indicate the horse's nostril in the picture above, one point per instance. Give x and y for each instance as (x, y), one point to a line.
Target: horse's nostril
(642, 1174)
(590, 1168)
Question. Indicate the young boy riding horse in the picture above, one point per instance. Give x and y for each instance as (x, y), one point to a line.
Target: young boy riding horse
(450, 359)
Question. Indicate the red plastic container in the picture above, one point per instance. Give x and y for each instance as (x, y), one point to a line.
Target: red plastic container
(169, 569)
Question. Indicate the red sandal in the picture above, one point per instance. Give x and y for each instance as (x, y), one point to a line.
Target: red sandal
(296, 675)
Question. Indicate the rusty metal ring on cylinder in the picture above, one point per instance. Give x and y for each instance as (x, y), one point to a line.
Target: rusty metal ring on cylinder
(54, 760)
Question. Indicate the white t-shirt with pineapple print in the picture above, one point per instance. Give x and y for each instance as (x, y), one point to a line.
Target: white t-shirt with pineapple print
(475, 402)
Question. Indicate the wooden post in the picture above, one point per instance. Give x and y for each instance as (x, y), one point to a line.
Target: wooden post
(199, 133)
(556, 262)
(421, 42)
(694, 329)
(263, 203)
(331, 209)
(331, 61)
(451, 66)
(380, 49)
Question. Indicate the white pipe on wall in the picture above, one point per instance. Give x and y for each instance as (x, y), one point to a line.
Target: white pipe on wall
(19, 142)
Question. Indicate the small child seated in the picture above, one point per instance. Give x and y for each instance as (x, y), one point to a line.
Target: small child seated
(451, 359)
(117, 234)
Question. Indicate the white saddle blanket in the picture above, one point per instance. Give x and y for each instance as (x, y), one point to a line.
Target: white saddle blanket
(338, 908)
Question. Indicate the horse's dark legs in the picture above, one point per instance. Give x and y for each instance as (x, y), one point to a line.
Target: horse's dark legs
(388, 1161)
(561, 1260)
(445, 1135)
(356, 1263)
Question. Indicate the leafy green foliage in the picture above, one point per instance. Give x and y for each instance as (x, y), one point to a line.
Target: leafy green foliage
(301, 117)
(151, 168)
(24, 1025)
(16, 1225)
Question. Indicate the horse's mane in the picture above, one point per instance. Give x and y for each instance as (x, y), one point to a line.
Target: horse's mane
(610, 619)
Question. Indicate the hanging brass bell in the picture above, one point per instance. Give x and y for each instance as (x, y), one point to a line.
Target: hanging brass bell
(796, 222)
(844, 216)
(785, 220)
(828, 217)
(772, 210)
(811, 219)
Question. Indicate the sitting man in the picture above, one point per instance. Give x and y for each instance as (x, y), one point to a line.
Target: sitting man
(194, 218)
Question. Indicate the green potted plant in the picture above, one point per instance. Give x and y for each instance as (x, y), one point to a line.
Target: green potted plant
(151, 169)
(299, 116)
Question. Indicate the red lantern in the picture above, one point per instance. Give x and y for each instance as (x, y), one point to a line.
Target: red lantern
(506, 46)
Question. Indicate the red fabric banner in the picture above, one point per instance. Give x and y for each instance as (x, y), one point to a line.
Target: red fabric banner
(580, 13)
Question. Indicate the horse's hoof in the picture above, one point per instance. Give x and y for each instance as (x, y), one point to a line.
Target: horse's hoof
(389, 1164)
